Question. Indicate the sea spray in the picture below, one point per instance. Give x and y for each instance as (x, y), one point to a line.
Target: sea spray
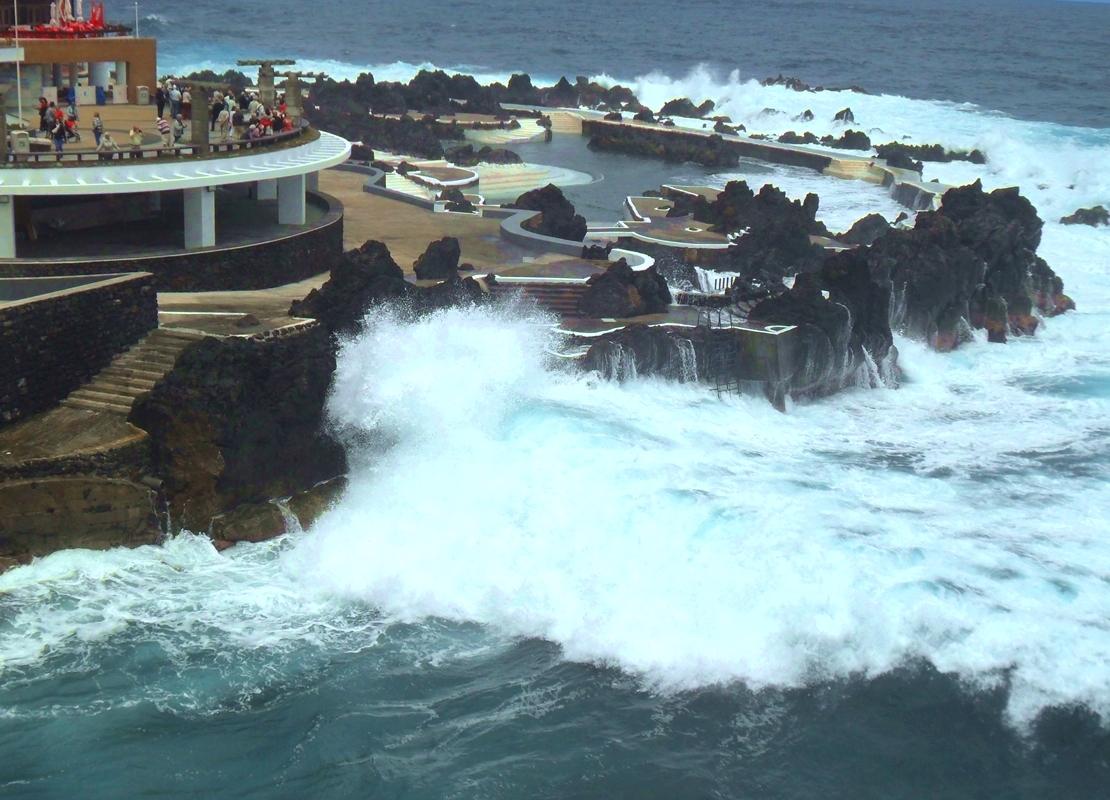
(710, 550)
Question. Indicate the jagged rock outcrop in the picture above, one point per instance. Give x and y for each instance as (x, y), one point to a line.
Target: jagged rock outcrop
(440, 261)
(776, 230)
(684, 107)
(972, 264)
(805, 116)
(368, 276)
(720, 126)
(561, 95)
(239, 421)
(613, 116)
(622, 292)
(521, 91)
(844, 115)
(737, 207)
(790, 137)
(899, 152)
(865, 230)
(557, 216)
(1004, 230)
(363, 278)
(1093, 216)
(644, 115)
(849, 140)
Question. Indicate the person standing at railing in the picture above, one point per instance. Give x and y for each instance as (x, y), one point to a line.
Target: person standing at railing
(164, 129)
(160, 101)
(107, 144)
(58, 133)
(135, 136)
(97, 128)
(175, 100)
(178, 129)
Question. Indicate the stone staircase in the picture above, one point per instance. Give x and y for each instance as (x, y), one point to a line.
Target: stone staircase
(566, 122)
(554, 296)
(132, 373)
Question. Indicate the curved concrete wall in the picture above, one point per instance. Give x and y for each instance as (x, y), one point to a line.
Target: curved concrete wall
(260, 265)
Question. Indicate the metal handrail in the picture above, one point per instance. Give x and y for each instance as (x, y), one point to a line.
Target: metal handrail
(125, 153)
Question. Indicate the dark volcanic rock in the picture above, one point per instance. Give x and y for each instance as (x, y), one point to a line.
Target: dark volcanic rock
(456, 201)
(1003, 229)
(972, 264)
(737, 207)
(597, 252)
(1093, 216)
(683, 107)
(865, 230)
(466, 156)
(521, 91)
(557, 217)
(623, 292)
(776, 230)
(404, 135)
(805, 116)
(439, 261)
(932, 277)
(644, 115)
(239, 421)
(849, 140)
(360, 152)
(723, 127)
(844, 115)
(364, 277)
(898, 154)
(790, 137)
(614, 116)
(561, 95)
(824, 333)
(671, 145)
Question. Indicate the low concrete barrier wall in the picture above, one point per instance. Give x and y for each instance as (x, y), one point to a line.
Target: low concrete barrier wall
(52, 343)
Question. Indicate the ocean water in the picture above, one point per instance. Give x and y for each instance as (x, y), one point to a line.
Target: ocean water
(540, 584)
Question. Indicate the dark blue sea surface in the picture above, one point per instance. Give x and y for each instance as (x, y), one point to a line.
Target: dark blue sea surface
(1034, 59)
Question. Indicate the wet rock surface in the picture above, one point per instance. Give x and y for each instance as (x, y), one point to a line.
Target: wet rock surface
(240, 421)
(1093, 216)
(622, 292)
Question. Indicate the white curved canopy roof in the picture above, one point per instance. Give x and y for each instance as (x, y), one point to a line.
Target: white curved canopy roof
(121, 177)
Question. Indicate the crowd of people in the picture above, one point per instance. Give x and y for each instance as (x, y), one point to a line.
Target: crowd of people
(232, 117)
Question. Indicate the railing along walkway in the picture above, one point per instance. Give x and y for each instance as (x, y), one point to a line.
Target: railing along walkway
(176, 151)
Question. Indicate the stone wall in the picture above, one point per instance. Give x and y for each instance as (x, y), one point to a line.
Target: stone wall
(48, 514)
(52, 344)
(254, 266)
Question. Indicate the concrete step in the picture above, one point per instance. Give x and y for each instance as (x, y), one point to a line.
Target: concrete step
(105, 396)
(120, 373)
(95, 405)
(107, 386)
